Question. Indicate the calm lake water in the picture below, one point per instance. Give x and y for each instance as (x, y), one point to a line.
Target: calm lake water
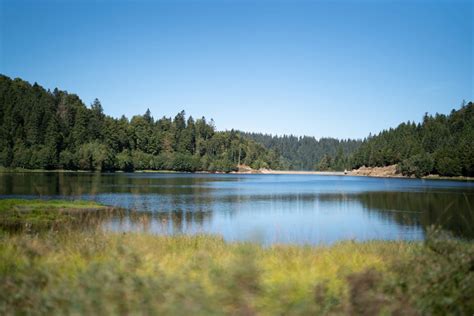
(303, 209)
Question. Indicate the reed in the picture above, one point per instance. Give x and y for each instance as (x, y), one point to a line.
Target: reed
(92, 271)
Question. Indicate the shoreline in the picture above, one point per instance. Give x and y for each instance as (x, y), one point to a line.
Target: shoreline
(293, 172)
(351, 173)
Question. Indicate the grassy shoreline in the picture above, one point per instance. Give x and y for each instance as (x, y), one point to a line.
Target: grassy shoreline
(92, 271)
(115, 273)
(38, 215)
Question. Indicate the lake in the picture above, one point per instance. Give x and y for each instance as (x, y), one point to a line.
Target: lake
(300, 209)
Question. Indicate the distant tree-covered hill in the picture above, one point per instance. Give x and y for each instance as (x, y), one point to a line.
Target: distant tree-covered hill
(309, 153)
(40, 129)
(441, 144)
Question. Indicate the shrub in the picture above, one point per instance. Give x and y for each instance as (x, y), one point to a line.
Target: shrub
(67, 160)
(419, 165)
(95, 156)
(447, 166)
(439, 279)
(123, 161)
(185, 162)
(222, 165)
(142, 160)
(259, 164)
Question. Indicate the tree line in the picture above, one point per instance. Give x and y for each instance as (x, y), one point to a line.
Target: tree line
(40, 129)
(440, 144)
(309, 153)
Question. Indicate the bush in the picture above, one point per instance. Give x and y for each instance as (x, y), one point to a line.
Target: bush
(184, 162)
(39, 157)
(95, 156)
(123, 161)
(67, 160)
(163, 161)
(222, 165)
(142, 161)
(21, 157)
(6, 157)
(447, 166)
(259, 164)
(419, 165)
(439, 279)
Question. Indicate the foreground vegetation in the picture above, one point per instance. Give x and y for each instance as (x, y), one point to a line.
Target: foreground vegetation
(114, 273)
(70, 271)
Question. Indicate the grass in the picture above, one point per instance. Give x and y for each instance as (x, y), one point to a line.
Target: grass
(18, 214)
(100, 272)
(110, 273)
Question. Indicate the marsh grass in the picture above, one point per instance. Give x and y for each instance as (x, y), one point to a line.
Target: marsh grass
(116, 273)
(39, 215)
(94, 271)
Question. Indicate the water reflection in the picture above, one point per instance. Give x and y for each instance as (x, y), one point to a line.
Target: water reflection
(173, 222)
(284, 208)
(453, 211)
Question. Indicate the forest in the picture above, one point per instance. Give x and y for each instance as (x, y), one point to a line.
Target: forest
(309, 153)
(40, 129)
(440, 144)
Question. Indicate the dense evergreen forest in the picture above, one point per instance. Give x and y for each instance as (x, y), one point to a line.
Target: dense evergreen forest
(40, 129)
(309, 153)
(440, 144)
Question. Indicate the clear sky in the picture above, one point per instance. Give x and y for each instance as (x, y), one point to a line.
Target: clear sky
(319, 68)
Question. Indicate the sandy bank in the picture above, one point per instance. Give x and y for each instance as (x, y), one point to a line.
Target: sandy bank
(385, 172)
(243, 169)
(327, 173)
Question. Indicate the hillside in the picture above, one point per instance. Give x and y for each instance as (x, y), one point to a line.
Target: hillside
(440, 144)
(309, 153)
(40, 129)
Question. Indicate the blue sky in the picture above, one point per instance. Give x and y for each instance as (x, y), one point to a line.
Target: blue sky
(319, 68)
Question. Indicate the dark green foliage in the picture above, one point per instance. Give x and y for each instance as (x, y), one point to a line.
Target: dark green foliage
(448, 166)
(447, 287)
(186, 162)
(223, 165)
(308, 153)
(325, 163)
(40, 129)
(123, 161)
(67, 160)
(436, 279)
(441, 144)
(418, 165)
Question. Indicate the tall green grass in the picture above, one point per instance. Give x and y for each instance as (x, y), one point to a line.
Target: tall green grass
(78, 271)
(116, 273)
(38, 215)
